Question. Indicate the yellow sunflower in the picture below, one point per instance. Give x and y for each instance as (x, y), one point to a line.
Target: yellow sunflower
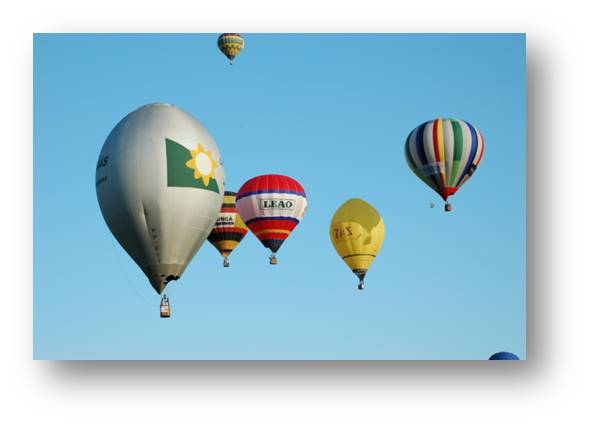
(203, 164)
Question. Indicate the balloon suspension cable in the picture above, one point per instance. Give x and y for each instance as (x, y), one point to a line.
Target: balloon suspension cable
(126, 277)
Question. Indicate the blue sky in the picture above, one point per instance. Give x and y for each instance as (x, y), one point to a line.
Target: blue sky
(332, 111)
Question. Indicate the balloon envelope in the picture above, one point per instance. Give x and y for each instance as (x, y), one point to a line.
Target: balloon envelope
(357, 232)
(444, 153)
(503, 355)
(272, 206)
(160, 184)
(229, 229)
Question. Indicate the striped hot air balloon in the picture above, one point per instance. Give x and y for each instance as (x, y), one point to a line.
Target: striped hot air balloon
(444, 153)
(229, 229)
(271, 205)
(230, 44)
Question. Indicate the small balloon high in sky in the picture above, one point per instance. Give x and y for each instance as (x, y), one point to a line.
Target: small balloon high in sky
(231, 44)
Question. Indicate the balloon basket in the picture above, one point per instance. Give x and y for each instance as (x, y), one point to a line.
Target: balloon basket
(447, 207)
(226, 262)
(164, 307)
(273, 260)
(361, 285)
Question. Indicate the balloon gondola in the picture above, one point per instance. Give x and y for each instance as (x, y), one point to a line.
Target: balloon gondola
(165, 306)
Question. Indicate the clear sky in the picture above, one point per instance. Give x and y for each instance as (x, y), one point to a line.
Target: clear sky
(332, 111)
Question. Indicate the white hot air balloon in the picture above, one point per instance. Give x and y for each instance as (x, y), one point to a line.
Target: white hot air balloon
(160, 185)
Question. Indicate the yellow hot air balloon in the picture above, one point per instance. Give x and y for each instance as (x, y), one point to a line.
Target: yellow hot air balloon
(230, 44)
(357, 232)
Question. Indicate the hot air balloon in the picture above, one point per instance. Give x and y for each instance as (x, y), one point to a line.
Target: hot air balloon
(229, 229)
(271, 205)
(357, 232)
(444, 153)
(230, 44)
(160, 185)
(503, 355)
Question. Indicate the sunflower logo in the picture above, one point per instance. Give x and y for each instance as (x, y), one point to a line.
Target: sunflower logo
(203, 164)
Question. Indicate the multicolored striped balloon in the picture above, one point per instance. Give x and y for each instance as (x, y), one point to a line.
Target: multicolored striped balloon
(229, 229)
(444, 153)
(271, 205)
(230, 44)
